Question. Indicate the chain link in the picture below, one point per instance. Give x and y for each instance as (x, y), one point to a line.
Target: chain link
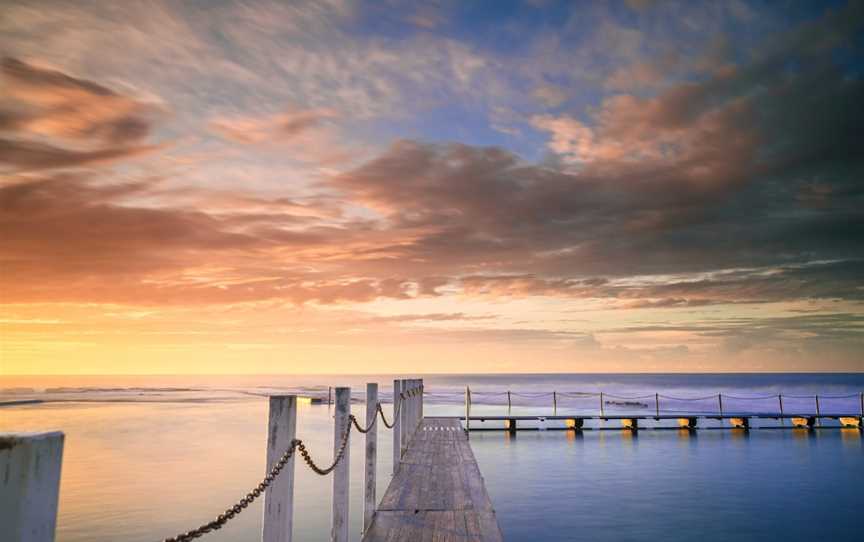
(395, 415)
(368, 427)
(229, 514)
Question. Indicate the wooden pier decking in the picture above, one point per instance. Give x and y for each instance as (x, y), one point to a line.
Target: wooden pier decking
(437, 493)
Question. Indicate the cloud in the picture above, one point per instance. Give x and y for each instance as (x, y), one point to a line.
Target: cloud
(43, 111)
(52, 103)
(309, 135)
(431, 317)
(32, 156)
(691, 183)
(283, 126)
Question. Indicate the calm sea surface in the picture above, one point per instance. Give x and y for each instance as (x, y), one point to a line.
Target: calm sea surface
(148, 457)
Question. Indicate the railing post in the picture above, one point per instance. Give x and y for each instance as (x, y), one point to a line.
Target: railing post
(329, 395)
(369, 500)
(467, 409)
(861, 399)
(720, 402)
(657, 404)
(780, 399)
(404, 416)
(412, 411)
(397, 425)
(554, 403)
(422, 397)
(29, 485)
(509, 403)
(818, 414)
(341, 478)
(601, 405)
(279, 496)
(416, 424)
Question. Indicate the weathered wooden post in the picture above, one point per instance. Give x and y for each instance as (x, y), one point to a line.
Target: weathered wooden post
(279, 496)
(397, 426)
(329, 395)
(408, 430)
(418, 398)
(780, 399)
(405, 415)
(720, 402)
(509, 405)
(861, 399)
(554, 403)
(29, 485)
(341, 478)
(422, 397)
(369, 500)
(601, 405)
(414, 408)
(468, 410)
(657, 404)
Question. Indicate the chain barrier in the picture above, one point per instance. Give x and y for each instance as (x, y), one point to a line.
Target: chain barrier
(299, 446)
(395, 416)
(241, 505)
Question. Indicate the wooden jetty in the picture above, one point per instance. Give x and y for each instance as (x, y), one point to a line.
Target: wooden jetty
(437, 493)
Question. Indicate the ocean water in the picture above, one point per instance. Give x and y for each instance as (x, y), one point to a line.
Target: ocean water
(148, 457)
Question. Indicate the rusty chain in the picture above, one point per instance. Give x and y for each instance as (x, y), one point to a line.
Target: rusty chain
(229, 514)
(395, 416)
(296, 445)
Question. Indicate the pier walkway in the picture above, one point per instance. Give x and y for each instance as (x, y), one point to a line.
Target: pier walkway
(437, 493)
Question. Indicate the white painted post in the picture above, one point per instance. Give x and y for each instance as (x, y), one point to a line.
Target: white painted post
(397, 425)
(422, 396)
(29, 485)
(414, 408)
(341, 478)
(404, 417)
(279, 496)
(467, 409)
(369, 501)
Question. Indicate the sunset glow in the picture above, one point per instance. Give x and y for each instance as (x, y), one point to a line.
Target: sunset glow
(341, 187)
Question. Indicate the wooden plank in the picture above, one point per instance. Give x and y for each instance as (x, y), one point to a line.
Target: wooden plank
(438, 493)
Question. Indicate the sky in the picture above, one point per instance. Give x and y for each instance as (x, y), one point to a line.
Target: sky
(490, 186)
